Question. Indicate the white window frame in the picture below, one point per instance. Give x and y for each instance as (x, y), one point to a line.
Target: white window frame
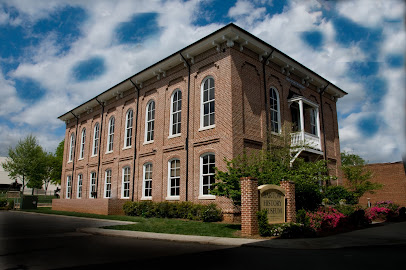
(80, 186)
(92, 185)
(173, 197)
(96, 134)
(126, 174)
(201, 194)
(150, 120)
(128, 132)
(145, 180)
(71, 147)
(314, 122)
(82, 144)
(107, 185)
(68, 186)
(277, 111)
(202, 103)
(178, 113)
(110, 135)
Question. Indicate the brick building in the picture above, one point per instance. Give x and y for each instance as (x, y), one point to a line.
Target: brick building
(157, 135)
(393, 178)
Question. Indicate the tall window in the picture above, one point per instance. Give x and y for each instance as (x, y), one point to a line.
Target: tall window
(80, 182)
(207, 106)
(82, 144)
(150, 121)
(110, 136)
(68, 187)
(92, 188)
(125, 189)
(275, 110)
(207, 164)
(107, 184)
(71, 146)
(313, 121)
(176, 109)
(174, 178)
(147, 181)
(96, 135)
(128, 128)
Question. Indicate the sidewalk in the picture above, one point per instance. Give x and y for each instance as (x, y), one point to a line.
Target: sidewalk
(385, 234)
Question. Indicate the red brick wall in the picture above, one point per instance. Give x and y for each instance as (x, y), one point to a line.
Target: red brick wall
(393, 177)
(93, 206)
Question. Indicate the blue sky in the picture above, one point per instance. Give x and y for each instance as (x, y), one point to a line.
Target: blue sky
(54, 55)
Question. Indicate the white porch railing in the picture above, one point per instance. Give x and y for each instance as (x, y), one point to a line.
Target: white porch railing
(305, 139)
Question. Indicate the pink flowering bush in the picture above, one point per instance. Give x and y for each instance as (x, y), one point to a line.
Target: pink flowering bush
(326, 219)
(378, 213)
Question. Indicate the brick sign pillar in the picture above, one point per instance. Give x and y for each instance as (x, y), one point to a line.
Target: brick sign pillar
(289, 187)
(249, 206)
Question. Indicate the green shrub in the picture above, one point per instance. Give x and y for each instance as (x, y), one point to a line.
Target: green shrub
(336, 193)
(302, 218)
(3, 202)
(284, 230)
(183, 210)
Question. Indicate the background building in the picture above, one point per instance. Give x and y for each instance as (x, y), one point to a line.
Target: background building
(158, 135)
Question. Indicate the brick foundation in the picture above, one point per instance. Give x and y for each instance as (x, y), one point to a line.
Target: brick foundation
(93, 206)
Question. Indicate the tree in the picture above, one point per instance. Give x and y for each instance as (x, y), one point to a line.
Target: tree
(270, 167)
(358, 175)
(26, 162)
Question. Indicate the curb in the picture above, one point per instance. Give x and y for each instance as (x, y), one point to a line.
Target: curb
(222, 241)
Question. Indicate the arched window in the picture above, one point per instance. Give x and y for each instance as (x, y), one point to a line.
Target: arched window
(107, 184)
(207, 164)
(128, 128)
(147, 181)
(96, 135)
(125, 189)
(80, 182)
(150, 121)
(68, 187)
(92, 189)
(275, 110)
(174, 178)
(71, 146)
(110, 136)
(176, 109)
(207, 103)
(82, 144)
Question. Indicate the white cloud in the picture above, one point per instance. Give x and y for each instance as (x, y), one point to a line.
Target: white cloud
(371, 13)
(10, 103)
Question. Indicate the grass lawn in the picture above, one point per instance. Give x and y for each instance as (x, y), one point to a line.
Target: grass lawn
(159, 225)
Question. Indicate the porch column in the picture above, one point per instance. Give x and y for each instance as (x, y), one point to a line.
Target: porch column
(301, 112)
(318, 124)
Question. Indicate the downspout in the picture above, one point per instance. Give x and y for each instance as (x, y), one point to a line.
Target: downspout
(265, 100)
(187, 128)
(322, 121)
(100, 144)
(74, 153)
(135, 135)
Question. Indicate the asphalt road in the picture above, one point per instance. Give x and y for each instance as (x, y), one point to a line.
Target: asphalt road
(32, 241)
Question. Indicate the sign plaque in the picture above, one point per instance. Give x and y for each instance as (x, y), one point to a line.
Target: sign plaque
(272, 199)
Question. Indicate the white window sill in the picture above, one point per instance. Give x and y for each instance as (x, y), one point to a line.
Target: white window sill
(127, 147)
(149, 142)
(70, 161)
(108, 152)
(146, 198)
(125, 197)
(93, 155)
(80, 158)
(172, 198)
(174, 136)
(207, 197)
(206, 128)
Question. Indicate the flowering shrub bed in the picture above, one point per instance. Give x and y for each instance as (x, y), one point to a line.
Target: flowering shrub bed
(378, 213)
(326, 219)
